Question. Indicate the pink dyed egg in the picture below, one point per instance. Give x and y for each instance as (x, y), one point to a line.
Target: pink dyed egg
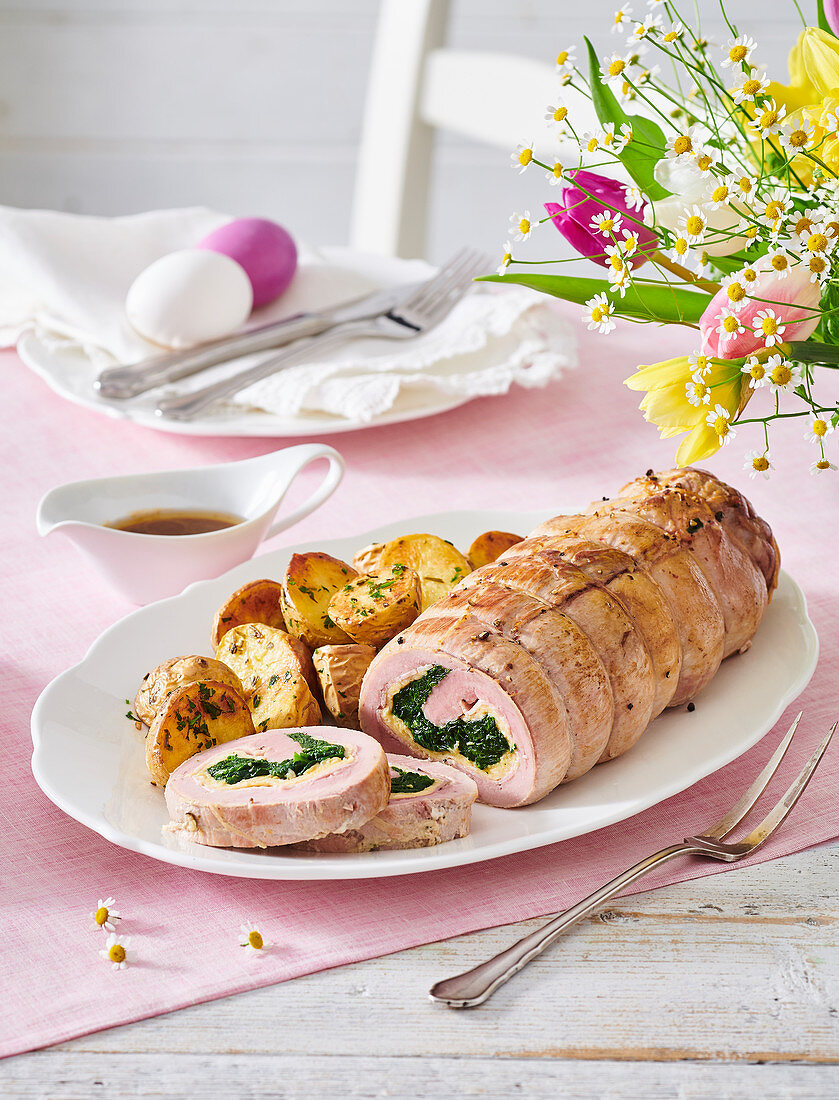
(263, 248)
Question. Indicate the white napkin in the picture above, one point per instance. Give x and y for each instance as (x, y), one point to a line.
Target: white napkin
(64, 278)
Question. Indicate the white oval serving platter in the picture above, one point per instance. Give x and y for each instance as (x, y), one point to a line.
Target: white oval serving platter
(89, 759)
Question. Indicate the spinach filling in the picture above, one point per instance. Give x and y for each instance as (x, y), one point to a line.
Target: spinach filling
(479, 739)
(235, 769)
(406, 782)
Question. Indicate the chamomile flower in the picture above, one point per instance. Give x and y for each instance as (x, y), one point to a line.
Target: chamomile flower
(556, 115)
(565, 61)
(521, 226)
(678, 250)
(756, 371)
(698, 393)
(702, 265)
(105, 916)
(775, 209)
(780, 262)
(819, 430)
(798, 136)
(704, 161)
(598, 313)
(754, 85)
(621, 20)
(618, 268)
(700, 365)
(768, 326)
(522, 157)
(629, 242)
(116, 952)
(815, 240)
(671, 33)
(781, 374)
(607, 223)
(720, 420)
(738, 51)
(683, 146)
(735, 291)
(506, 259)
(648, 26)
(821, 465)
(613, 67)
(767, 121)
(635, 199)
(729, 324)
(720, 194)
(758, 463)
(818, 267)
(744, 185)
(693, 224)
(592, 140)
(554, 176)
(253, 942)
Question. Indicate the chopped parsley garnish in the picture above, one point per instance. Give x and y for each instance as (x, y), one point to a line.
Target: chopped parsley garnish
(478, 739)
(235, 769)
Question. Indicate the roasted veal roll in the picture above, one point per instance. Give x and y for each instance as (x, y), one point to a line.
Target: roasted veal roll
(557, 656)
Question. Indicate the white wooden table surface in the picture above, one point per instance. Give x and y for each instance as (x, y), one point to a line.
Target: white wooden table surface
(723, 987)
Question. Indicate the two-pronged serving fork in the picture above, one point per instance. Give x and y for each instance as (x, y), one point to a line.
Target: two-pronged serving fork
(474, 986)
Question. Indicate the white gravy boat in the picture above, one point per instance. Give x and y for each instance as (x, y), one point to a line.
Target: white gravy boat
(149, 567)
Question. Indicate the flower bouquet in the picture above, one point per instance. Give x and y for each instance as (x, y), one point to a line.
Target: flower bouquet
(725, 221)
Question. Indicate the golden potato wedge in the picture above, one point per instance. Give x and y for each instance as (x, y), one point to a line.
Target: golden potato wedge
(373, 608)
(489, 547)
(310, 582)
(436, 561)
(195, 716)
(173, 674)
(341, 669)
(267, 662)
(255, 602)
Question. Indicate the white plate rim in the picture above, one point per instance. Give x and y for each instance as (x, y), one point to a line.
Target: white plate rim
(44, 361)
(383, 864)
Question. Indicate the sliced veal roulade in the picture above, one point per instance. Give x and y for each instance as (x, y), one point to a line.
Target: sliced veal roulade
(430, 803)
(279, 787)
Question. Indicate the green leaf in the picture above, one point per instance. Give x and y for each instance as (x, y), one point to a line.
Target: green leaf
(822, 20)
(651, 303)
(647, 147)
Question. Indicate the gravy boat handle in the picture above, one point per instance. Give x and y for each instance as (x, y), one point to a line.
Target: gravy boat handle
(305, 454)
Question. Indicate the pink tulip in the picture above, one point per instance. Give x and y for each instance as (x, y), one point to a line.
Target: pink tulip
(831, 14)
(573, 217)
(793, 302)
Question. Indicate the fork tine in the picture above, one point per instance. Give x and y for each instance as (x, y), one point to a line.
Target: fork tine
(430, 307)
(776, 816)
(453, 274)
(737, 812)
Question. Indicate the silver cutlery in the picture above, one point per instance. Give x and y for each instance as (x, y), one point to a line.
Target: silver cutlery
(121, 383)
(415, 314)
(474, 986)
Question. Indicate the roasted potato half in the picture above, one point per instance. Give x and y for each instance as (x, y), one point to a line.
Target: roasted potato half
(437, 563)
(341, 669)
(310, 582)
(255, 602)
(489, 547)
(267, 662)
(194, 717)
(373, 608)
(173, 674)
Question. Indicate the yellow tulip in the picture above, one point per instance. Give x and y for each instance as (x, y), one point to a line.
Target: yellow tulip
(813, 71)
(665, 402)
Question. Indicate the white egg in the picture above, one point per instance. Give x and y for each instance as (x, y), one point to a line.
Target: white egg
(188, 298)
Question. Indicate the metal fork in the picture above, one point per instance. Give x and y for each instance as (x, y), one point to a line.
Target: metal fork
(474, 986)
(422, 310)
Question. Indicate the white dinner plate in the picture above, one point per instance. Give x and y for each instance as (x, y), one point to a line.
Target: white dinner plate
(89, 758)
(70, 373)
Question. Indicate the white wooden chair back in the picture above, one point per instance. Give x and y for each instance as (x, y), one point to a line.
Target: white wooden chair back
(417, 85)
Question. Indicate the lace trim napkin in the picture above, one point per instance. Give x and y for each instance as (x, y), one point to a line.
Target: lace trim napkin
(64, 278)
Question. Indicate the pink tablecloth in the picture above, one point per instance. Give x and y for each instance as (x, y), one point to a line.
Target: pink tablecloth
(580, 438)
